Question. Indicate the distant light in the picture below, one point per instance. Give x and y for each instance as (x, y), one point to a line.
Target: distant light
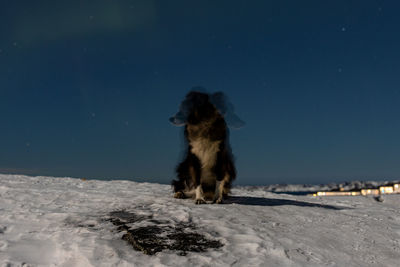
(343, 29)
(338, 193)
(381, 191)
(365, 192)
(386, 189)
(396, 188)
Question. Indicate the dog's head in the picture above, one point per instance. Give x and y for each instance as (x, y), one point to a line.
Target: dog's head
(199, 107)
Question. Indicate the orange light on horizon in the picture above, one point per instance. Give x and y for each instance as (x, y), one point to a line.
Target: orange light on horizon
(365, 192)
(337, 193)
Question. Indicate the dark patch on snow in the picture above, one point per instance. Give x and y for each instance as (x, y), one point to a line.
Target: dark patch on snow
(81, 222)
(86, 225)
(159, 235)
(378, 198)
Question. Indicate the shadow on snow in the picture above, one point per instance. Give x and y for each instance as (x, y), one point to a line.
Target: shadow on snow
(261, 201)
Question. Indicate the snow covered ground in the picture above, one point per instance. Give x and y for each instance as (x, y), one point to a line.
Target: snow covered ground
(47, 221)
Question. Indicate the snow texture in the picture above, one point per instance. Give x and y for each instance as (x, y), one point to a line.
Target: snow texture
(47, 221)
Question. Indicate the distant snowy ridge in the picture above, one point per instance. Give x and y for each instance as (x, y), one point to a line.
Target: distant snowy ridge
(348, 186)
(47, 221)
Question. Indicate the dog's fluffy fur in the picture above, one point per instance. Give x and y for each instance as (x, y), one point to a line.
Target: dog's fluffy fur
(207, 171)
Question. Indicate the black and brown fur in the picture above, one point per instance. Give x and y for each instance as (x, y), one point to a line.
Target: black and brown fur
(207, 171)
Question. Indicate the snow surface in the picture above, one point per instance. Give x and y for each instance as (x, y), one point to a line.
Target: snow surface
(47, 221)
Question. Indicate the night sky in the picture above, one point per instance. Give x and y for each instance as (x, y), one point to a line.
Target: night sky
(87, 87)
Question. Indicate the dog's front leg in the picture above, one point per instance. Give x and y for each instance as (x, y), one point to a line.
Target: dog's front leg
(219, 189)
(199, 195)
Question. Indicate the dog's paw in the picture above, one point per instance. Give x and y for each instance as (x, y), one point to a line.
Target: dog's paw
(200, 201)
(179, 194)
(218, 200)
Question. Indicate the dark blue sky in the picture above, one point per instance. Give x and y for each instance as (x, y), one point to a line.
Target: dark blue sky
(87, 87)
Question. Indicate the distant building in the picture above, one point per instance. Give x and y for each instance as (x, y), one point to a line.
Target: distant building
(382, 190)
(396, 188)
(366, 192)
(338, 193)
(386, 189)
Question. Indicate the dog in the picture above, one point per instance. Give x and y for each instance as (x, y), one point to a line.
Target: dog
(208, 170)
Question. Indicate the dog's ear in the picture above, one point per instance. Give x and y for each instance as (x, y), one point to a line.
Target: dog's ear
(178, 119)
(233, 121)
(226, 109)
(218, 99)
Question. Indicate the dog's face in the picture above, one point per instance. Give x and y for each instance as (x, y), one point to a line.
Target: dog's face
(198, 107)
(201, 109)
(195, 109)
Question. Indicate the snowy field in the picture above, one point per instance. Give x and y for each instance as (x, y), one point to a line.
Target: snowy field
(47, 221)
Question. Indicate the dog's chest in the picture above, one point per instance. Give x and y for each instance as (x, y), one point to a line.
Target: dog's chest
(206, 150)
